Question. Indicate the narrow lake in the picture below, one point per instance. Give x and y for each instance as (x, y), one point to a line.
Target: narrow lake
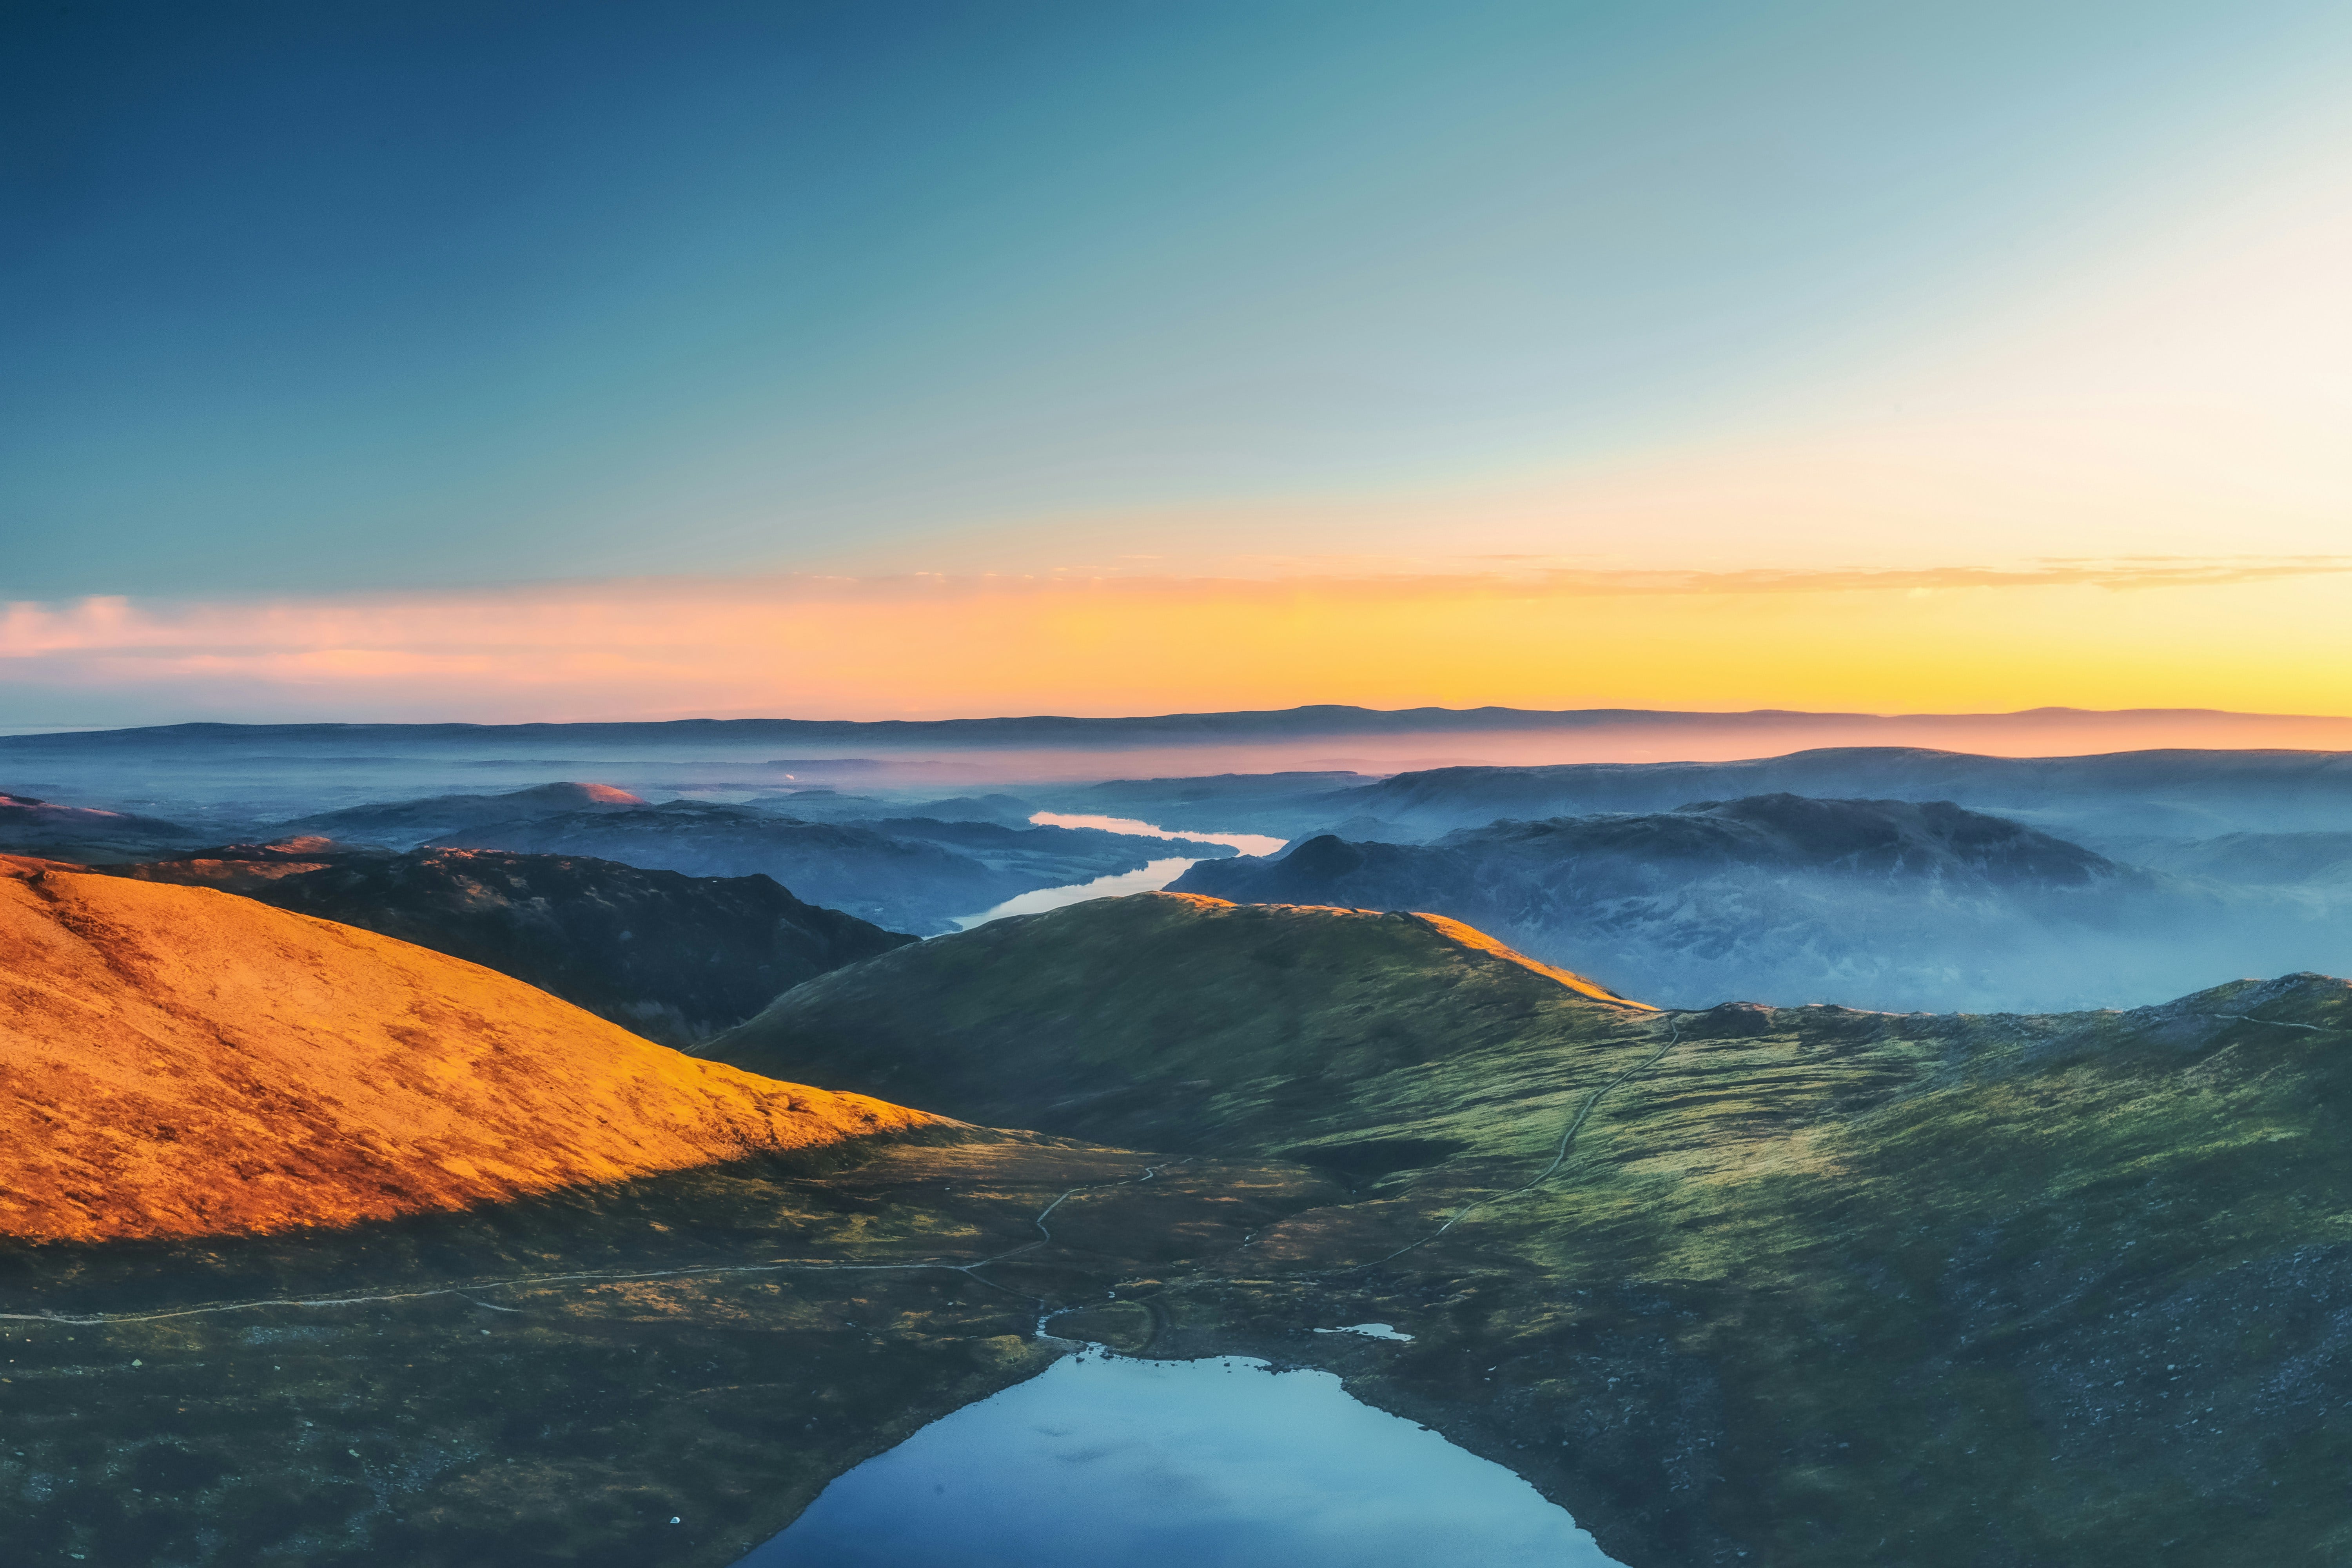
(1152, 876)
(1106, 1461)
(1247, 843)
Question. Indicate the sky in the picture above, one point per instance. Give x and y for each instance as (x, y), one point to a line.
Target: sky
(593, 360)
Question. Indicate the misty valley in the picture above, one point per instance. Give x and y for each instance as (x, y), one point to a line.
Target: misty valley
(1892, 878)
(670, 1162)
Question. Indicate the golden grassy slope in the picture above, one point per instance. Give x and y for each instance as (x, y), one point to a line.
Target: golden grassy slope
(175, 1061)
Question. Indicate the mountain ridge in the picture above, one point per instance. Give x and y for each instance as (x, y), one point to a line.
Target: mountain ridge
(672, 957)
(182, 1062)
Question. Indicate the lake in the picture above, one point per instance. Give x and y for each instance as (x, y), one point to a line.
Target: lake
(1106, 1461)
(1149, 878)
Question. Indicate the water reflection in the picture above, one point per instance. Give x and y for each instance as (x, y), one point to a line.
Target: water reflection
(1109, 1462)
(1247, 843)
(1150, 878)
(1154, 876)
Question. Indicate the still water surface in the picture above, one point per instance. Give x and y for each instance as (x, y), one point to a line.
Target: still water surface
(1150, 878)
(1154, 876)
(1247, 843)
(1107, 1461)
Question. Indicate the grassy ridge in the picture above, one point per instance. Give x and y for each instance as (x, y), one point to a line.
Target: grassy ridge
(1171, 1021)
(1820, 1286)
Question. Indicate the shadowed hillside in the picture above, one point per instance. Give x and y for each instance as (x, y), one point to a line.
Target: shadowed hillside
(183, 1062)
(672, 957)
(42, 827)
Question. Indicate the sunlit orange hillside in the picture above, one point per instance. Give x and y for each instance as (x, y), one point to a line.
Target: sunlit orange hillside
(176, 1061)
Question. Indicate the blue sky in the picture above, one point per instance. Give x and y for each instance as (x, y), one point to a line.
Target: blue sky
(315, 298)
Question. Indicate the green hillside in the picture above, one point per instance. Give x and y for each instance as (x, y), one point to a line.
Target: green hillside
(1172, 1021)
(1820, 1286)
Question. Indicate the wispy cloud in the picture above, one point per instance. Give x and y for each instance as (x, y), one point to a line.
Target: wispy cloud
(643, 613)
(2124, 573)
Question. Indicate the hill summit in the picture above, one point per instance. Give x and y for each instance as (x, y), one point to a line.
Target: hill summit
(176, 1061)
(1170, 1019)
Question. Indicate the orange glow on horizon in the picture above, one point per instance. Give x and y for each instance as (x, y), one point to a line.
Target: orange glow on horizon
(2249, 638)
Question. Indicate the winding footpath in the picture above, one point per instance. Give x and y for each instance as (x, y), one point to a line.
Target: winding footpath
(2275, 1023)
(1567, 1141)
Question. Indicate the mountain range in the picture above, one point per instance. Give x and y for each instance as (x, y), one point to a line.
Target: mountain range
(41, 829)
(1312, 721)
(2114, 799)
(1878, 903)
(671, 957)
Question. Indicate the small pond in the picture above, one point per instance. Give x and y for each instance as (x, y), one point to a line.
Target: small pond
(1106, 1461)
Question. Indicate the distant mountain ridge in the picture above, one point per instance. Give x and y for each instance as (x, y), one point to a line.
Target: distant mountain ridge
(1036, 730)
(1879, 838)
(29, 826)
(2198, 792)
(411, 821)
(1907, 905)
